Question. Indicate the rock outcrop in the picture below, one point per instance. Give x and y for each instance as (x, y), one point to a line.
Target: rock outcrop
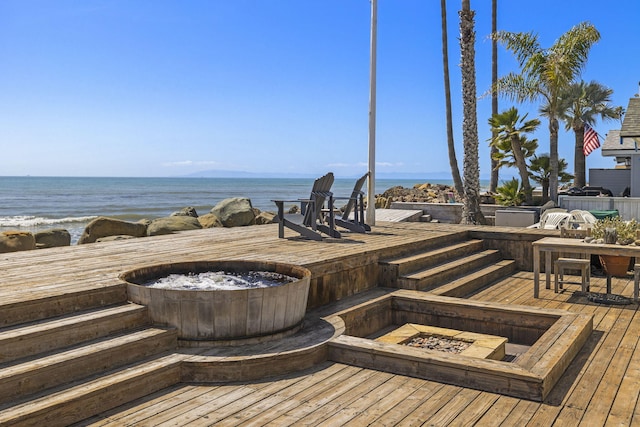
(209, 221)
(172, 224)
(52, 238)
(235, 212)
(14, 241)
(188, 211)
(104, 227)
(423, 193)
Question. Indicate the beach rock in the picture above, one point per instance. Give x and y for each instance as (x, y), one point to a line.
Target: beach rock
(235, 212)
(209, 221)
(188, 211)
(103, 227)
(383, 202)
(171, 224)
(52, 238)
(14, 241)
(421, 193)
(266, 218)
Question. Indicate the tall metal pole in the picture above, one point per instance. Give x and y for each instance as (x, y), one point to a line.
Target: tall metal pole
(371, 185)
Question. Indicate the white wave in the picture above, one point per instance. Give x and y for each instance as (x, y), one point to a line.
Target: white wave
(219, 280)
(32, 221)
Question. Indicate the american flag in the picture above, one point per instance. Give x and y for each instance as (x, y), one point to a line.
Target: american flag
(591, 140)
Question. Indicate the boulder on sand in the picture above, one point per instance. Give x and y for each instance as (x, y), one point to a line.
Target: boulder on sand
(14, 241)
(235, 212)
(104, 227)
(171, 224)
(265, 218)
(209, 221)
(52, 238)
(188, 211)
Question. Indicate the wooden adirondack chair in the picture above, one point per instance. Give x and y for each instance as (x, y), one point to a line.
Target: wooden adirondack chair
(312, 220)
(355, 205)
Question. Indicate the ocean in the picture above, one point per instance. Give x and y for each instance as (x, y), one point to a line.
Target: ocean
(41, 203)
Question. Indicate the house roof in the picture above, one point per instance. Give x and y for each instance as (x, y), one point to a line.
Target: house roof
(626, 141)
(631, 122)
(616, 146)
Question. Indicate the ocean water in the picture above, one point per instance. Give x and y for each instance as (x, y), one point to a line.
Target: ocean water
(42, 203)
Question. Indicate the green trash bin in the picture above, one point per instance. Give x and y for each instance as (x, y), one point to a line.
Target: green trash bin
(602, 214)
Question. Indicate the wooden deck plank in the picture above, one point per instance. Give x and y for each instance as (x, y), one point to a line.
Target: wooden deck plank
(368, 407)
(291, 397)
(601, 385)
(456, 405)
(498, 412)
(475, 410)
(611, 385)
(343, 403)
(409, 404)
(436, 402)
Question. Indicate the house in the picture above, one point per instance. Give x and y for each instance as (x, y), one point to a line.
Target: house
(624, 145)
(624, 179)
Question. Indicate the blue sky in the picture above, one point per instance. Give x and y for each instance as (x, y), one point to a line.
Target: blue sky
(169, 88)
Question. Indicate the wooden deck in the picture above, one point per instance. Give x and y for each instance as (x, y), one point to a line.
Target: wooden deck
(600, 387)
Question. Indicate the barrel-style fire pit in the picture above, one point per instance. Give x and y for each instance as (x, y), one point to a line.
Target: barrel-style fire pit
(239, 309)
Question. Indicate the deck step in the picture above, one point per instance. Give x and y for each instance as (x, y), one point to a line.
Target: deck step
(432, 277)
(60, 303)
(82, 399)
(80, 361)
(50, 334)
(472, 282)
(422, 260)
(389, 268)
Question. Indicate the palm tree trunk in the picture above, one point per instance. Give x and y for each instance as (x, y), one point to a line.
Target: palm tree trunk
(553, 158)
(453, 161)
(471, 213)
(579, 161)
(521, 164)
(494, 93)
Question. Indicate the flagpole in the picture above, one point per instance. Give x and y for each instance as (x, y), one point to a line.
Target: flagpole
(371, 187)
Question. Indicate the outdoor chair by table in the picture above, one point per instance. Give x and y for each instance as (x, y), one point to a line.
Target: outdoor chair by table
(355, 205)
(311, 222)
(562, 264)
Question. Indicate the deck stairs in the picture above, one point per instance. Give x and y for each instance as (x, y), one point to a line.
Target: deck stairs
(456, 267)
(90, 357)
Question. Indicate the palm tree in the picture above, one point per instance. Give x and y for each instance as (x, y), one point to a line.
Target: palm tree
(453, 161)
(508, 128)
(504, 151)
(493, 185)
(540, 172)
(545, 74)
(580, 104)
(471, 213)
(510, 193)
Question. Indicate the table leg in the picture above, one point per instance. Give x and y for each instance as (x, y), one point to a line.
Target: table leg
(536, 272)
(547, 269)
(608, 284)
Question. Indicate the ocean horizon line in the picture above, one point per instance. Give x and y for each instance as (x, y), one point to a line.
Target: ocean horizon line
(251, 175)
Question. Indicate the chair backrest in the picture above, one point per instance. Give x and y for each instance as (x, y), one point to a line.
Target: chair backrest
(582, 218)
(357, 191)
(319, 192)
(554, 220)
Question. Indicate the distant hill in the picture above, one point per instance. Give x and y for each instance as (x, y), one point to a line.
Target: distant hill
(379, 175)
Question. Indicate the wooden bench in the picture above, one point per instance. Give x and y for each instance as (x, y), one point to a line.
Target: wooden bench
(562, 264)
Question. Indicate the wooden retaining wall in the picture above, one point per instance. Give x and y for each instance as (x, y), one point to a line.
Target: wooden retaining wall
(342, 277)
